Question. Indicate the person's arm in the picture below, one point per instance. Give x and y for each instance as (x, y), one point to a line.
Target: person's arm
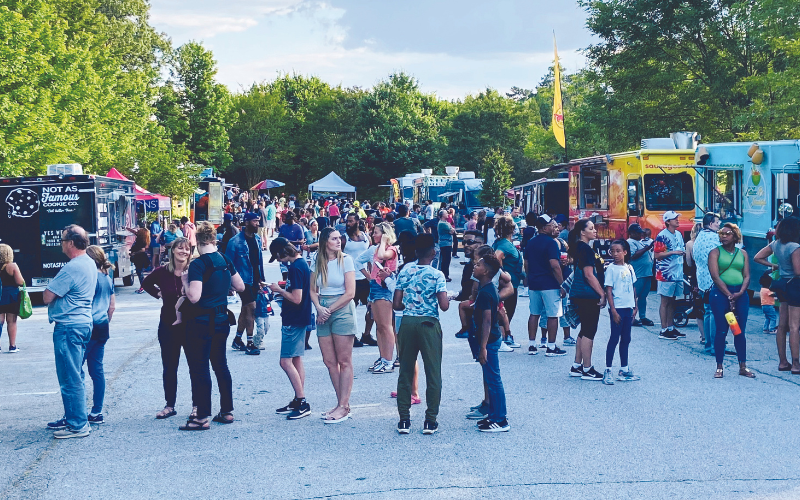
(486, 327)
(611, 309)
(384, 250)
(474, 293)
(237, 283)
(796, 262)
(688, 256)
(745, 275)
(444, 302)
(48, 297)
(639, 253)
(591, 280)
(150, 284)
(112, 306)
(713, 269)
(195, 290)
(555, 268)
(504, 287)
(501, 256)
(16, 273)
(397, 300)
(762, 257)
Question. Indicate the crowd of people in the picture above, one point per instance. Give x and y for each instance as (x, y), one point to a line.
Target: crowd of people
(335, 256)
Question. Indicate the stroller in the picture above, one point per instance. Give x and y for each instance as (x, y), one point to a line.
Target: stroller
(690, 305)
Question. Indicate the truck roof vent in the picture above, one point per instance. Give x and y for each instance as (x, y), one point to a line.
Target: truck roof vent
(676, 140)
(65, 169)
(451, 170)
(427, 171)
(466, 175)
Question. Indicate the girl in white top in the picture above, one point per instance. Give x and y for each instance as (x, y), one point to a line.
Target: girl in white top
(332, 290)
(619, 280)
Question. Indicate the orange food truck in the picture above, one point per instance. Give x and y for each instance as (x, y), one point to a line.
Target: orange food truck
(619, 189)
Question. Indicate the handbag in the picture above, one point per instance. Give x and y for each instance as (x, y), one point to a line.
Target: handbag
(25, 306)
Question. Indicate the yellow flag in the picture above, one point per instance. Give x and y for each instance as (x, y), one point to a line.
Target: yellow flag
(558, 108)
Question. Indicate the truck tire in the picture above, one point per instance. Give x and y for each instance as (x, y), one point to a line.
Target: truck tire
(127, 280)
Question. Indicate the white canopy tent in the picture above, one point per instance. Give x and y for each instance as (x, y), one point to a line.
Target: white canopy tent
(331, 183)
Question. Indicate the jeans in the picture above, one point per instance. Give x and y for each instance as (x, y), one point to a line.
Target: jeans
(720, 305)
(709, 325)
(420, 335)
(203, 345)
(491, 376)
(770, 318)
(171, 339)
(642, 290)
(69, 344)
(94, 363)
(620, 333)
(446, 255)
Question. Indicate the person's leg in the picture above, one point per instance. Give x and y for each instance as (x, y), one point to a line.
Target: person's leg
(794, 336)
(343, 347)
(368, 322)
(430, 337)
(219, 362)
(465, 315)
(613, 340)
(408, 342)
(415, 382)
(382, 312)
(533, 327)
(552, 330)
(11, 321)
(69, 344)
(198, 355)
(491, 375)
(780, 336)
(663, 311)
(329, 359)
(94, 363)
(671, 312)
(626, 322)
(295, 372)
(447, 256)
(511, 304)
(642, 291)
(170, 360)
(589, 319)
(719, 306)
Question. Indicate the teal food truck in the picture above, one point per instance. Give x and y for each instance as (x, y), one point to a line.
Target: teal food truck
(753, 185)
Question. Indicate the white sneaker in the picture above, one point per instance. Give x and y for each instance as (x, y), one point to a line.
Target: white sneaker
(523, 291)
(505, 348)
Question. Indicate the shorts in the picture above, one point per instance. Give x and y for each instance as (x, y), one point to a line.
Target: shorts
(270, 224)
(670, 288)
(249, 294)
(787, 290)
(362, 291)
(545, 301)
(293, 341)
(378, 292)
(563, 322)
(9, 300)
(341, 322)
(262, 231)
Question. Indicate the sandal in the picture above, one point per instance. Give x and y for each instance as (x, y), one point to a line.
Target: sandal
(193, 414)
(330, 420)
(745, 372)
(222, 418)
(193, 424)
(167, 412)
(784, 368)
(718, 373)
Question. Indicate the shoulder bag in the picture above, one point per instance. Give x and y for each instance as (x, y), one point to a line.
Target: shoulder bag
(25, 306)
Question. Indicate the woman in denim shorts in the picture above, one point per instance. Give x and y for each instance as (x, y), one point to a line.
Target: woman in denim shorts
(333, 286)
(385, 258)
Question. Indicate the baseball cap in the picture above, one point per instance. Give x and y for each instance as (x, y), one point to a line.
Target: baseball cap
(276, 247)
(543, 220)
(250, 216)
(635, 228)
(227, 217)
(561, 218)
(670, 214)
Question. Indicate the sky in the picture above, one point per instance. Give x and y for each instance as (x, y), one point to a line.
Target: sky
(453, 47)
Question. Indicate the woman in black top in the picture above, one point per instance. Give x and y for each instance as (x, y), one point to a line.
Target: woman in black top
(587, 295)
(207, 327)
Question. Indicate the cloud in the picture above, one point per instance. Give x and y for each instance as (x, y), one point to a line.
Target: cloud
(204, 26)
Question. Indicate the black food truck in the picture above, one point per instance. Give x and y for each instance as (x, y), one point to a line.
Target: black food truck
(34, 211)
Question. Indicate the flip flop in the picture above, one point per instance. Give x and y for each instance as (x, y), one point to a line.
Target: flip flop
(747, 373)
(199, 426)
(172, 413)
(336, 420)
(220, 418)
(718, 373)
(785, 368)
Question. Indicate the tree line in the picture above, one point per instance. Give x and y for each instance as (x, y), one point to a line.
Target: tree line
(91, 81)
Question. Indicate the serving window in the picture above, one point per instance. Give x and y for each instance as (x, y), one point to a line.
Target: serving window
(594, 188)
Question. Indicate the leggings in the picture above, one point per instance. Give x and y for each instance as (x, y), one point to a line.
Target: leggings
(719, 306)
(511, 304)
(171, 338)
(589, 314)
(620, 333)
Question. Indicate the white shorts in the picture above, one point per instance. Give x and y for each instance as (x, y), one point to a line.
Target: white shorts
(545, 301)
(270, 224)
(670, 288)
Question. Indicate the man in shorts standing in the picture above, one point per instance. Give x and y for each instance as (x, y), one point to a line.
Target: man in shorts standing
(669, 251)
(270, 219)
(244, 250)
(262, 223)
(543, 268)
(295, 317)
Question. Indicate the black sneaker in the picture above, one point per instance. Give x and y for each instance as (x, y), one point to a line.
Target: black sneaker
(357, 342)
(576, 372)
(483, 421)
(532, 350)
(303, 410)
(404, 427)
(501, 426)
(368, 340)
(238, 344)
(677, 333)
(295, 404)
(252, 350)
(555, 352)
(667, 335)
(592, 374)
(96, 419)
(430, 427)
(58, 424)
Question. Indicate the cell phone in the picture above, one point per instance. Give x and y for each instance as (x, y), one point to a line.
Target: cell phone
(379, 266)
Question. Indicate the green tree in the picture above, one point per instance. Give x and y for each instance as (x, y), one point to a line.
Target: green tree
(496, 174)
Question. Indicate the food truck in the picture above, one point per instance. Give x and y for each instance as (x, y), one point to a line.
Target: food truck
(429, 186)
(34, 211)
(753, 185)
(209, 201)
(619, 189)
(544, 196)
(402, 189)
(465, 194)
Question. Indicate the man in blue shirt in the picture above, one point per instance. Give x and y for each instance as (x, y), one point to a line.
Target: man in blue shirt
(69, 305)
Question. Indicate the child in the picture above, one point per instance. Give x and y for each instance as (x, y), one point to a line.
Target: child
(420, 292)
(295, 317)
(770, 313)
(622, 309)
(489, 337)
(262, 313)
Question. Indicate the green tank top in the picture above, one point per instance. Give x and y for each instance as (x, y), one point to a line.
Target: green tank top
(731, 266)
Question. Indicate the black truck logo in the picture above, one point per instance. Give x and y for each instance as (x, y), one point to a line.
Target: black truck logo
(22, 203)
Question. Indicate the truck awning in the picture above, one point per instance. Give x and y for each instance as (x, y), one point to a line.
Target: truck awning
(720, 167)
(449, 194)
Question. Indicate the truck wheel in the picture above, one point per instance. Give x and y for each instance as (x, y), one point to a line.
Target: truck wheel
(127, 280)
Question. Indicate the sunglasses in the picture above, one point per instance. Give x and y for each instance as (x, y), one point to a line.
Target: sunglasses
(725, 232)
(469, 242)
